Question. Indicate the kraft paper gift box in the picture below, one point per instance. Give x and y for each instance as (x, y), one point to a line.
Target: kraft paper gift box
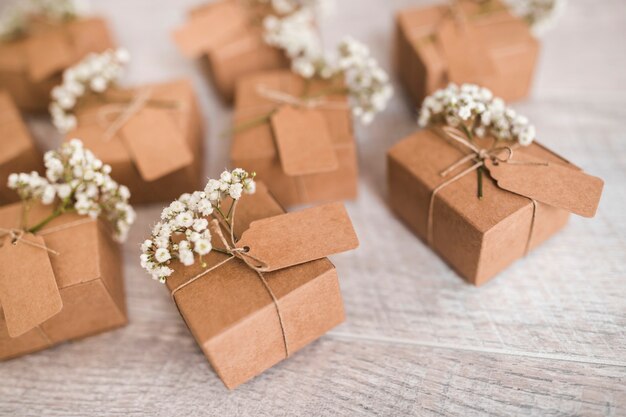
(17, 149)
(157, 152)
(71, 294)
(470, 43)
(232, 314)
(228, 38)
(31, 66)
(480, 237)
(303, 155)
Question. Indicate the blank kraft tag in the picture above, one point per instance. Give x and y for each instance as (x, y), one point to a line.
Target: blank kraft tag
(303, 141)
(48, 54)
(210, 29)
(295, 238)
(552, 184)
(155, 143)
(28, 289)
(467, 58)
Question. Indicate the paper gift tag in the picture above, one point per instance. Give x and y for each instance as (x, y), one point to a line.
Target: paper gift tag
(155, 143)
(28, 289)
(303, 141)
(552, 184)
(48, 53)
(209, 29)
(295, 238)
(467, 58)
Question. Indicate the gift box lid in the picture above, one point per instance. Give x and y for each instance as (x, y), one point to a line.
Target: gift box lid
(425, 155)
(165, 116)
(234, 289)
(495, 31)
(212, 25)
(73, 245)
(259, 142)
(14, 135)
(52, 48)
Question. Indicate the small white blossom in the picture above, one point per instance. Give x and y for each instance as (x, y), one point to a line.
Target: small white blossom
(162, 255)
(94, 74)
(202, 246)
(475, 109)
(185, 218)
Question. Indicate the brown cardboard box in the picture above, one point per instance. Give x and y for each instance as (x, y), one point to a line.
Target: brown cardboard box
(17, 149)
(227, 36)
(88, 274)
(477, 238)
(158, 152)
(485, 45)
(31, 66)
(300, 175)
(232, 316)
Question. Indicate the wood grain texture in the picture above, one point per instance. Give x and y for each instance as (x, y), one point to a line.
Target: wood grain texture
(546, 338)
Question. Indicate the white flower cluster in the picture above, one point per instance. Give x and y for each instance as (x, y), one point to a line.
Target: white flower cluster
(184, 228)
(94, 73)
(540, 14)
(15, 20)
(367, 82)
(285, 7)
(474, 108)
(296, 34)
(79, 182)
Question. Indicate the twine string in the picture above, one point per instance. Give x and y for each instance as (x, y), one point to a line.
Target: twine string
(254, 263)
(17, 235)
(124, 112)
(281, 97)
(478, 155)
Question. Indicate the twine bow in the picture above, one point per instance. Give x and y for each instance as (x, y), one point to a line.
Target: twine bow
(479, 156)
(254, 263)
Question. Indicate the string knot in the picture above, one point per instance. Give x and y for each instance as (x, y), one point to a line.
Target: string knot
(17, 235)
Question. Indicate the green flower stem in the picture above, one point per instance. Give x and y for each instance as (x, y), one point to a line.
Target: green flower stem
(225, 252)
(467, 132)
(63, 208)
(56, 213)
(257, 121)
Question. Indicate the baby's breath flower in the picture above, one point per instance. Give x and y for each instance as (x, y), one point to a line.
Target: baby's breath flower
(15, 20)
(78, 182)
(540, 14)
(94, 74)
(368, 84)
(185, 218)
(474, 109)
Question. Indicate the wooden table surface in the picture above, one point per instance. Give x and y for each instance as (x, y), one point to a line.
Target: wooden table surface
(547, 337)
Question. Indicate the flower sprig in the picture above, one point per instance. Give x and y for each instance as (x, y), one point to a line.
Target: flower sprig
(477, 112)
(368, 85)
(183, 231)
(15, 20)
(94, 74)
(77, 182)
(540, 14)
